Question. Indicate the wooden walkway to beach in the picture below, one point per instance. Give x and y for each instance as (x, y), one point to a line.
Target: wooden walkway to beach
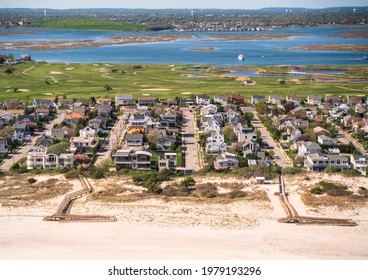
(62, 214)
(293, 216)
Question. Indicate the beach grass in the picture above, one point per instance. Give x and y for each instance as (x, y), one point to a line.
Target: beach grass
(47, 80)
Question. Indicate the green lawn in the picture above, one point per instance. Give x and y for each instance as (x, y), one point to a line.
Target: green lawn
(46, 80)
(88, 24)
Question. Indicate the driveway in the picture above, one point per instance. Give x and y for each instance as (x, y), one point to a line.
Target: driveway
(279, 156)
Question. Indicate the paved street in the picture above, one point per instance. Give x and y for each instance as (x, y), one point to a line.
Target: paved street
(280, 157)
(190, 143)
(22, 151)
(110, 143)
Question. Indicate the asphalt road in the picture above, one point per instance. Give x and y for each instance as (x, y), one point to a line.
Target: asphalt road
(279, 156)
(190, 142)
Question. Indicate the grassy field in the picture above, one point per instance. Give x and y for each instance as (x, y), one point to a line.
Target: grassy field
(47, 80)
(88, 24)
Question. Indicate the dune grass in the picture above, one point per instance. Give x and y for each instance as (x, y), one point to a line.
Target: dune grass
(47, 80)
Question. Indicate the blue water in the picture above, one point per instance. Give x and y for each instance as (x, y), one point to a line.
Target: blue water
(257, 52)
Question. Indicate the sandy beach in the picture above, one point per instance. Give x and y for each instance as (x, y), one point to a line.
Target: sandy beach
(156, 228)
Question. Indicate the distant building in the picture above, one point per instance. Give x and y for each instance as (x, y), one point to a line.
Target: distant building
(257, 98)
(203, 100)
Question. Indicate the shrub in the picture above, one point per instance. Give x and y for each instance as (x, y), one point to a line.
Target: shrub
(189, 181)
(331, 169)
(72, 174)
(207, 190)
(237, 194)
(317, 190)
(351, 173)
(31, 180)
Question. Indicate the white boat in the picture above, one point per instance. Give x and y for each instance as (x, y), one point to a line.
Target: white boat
(241, 57)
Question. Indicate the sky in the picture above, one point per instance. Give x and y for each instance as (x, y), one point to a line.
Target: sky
(186, 4)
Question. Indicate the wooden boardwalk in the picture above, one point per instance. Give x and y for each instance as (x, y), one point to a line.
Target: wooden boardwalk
(293, 216)
(62, 214)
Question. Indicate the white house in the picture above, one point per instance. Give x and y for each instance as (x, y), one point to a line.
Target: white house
(3, 145)
(326, 140)
(167, 160)
(359, 162)
(208, 110)
(88, 132)
(203, 100)
(215, 143)
(211, 125)
(307, 148)
(124, 100)
(226, 161)
(274, 99)
(316, 162)
(220, 99)
(40, 158)
(257, 98)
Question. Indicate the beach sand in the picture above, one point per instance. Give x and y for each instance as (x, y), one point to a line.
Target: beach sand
(175, 229)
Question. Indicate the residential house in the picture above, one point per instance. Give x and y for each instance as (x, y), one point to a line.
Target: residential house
(38, 103)
(203, 100)
(87, 102)
(98, 122)
(233, 118)
(354, 99)
(165, 142)
(83, 144)
(133, 139)
(28, 119)
(274, 99)
(45, 141)
(124, 100)
(40, 158)
(333, 100)
(74, 118)
(12, 104)
(226, 161)
(42, 114)
(314, 100)
(307, 148)
(88, 131)
(358, 123)
(78, 108)
(57, 133)
(359, 162)
(132, 158)
(211, 125)
(167, 160)
(22, 132)
(146, 100)
(140, 121)
(317, 162)
(168, 119)
(236, 99)
(317, 131)
(248, 147)
(339, 111)
(104, 110)
(295, 134)
(64, 102)
(245, 133)
(254, 162)
(220, 99)
(300, 112)
(103, 101)
(257, 98)
(3, 145)
(215, 143)
(187, 101)
(326, 140)
(208, 110)
(296, 100)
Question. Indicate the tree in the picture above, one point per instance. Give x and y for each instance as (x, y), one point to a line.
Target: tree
(261, 108)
